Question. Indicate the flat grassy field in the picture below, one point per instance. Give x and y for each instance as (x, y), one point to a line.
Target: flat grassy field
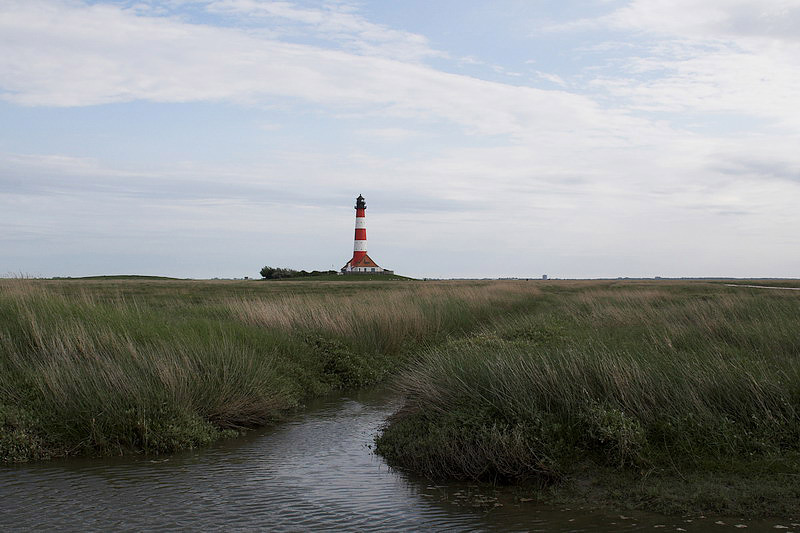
(679, 396)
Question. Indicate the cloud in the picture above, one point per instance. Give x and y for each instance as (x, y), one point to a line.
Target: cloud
(336, 22)
(743, 166)
(720, 56)
(712, 19)
(552, 78)
(391, 134)
(67, 54)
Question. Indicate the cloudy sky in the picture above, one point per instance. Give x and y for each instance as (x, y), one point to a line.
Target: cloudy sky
(208, 138)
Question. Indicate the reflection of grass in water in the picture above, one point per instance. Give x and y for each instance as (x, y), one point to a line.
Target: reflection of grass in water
(149, 365)
(649, 384)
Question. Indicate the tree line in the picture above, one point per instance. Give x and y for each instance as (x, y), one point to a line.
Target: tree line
(269, 272)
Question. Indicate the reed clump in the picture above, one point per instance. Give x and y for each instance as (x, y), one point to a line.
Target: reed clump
(110, 367)
(637, 379)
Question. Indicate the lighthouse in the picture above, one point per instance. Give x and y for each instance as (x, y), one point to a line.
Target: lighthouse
(361, 263)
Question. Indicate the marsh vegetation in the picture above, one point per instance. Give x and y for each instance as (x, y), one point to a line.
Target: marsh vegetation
(109, 367)
(677, 396)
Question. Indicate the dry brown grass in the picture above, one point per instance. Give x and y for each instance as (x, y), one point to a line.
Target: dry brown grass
(391, 316)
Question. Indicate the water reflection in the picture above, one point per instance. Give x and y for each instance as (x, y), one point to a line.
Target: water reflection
(315, 472)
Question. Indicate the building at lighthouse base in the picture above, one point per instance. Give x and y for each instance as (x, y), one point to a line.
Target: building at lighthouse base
(364, 265)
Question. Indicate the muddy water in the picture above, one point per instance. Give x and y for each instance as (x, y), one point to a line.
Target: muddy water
(315, 472)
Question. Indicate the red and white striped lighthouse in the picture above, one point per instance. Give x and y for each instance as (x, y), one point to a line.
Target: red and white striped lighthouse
(360, 242)
(361, 262)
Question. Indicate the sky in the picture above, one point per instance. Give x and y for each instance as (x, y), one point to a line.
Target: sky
(511, 138)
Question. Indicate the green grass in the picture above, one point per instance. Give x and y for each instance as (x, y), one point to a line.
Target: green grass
(624, 387)
(119, 277)
(347, 278)
(121, 366)
(787, 283)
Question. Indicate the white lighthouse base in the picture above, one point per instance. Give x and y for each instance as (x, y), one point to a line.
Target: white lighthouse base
(364, 266)
(366, 270)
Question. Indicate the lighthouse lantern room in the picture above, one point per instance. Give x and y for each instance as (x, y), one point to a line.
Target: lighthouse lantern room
(361, 263)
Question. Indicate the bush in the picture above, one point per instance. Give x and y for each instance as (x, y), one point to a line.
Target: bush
(269, 272)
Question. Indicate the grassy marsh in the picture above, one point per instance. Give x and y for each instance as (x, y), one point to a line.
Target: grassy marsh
(117, 366)
(622, 387)
(666, 395)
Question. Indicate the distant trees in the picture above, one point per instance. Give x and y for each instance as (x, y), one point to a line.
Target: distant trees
(269, 272)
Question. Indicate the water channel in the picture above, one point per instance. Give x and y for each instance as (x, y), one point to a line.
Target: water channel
(313, 472)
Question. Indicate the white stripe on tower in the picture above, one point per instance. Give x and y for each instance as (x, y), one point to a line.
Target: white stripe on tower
(360, 243)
